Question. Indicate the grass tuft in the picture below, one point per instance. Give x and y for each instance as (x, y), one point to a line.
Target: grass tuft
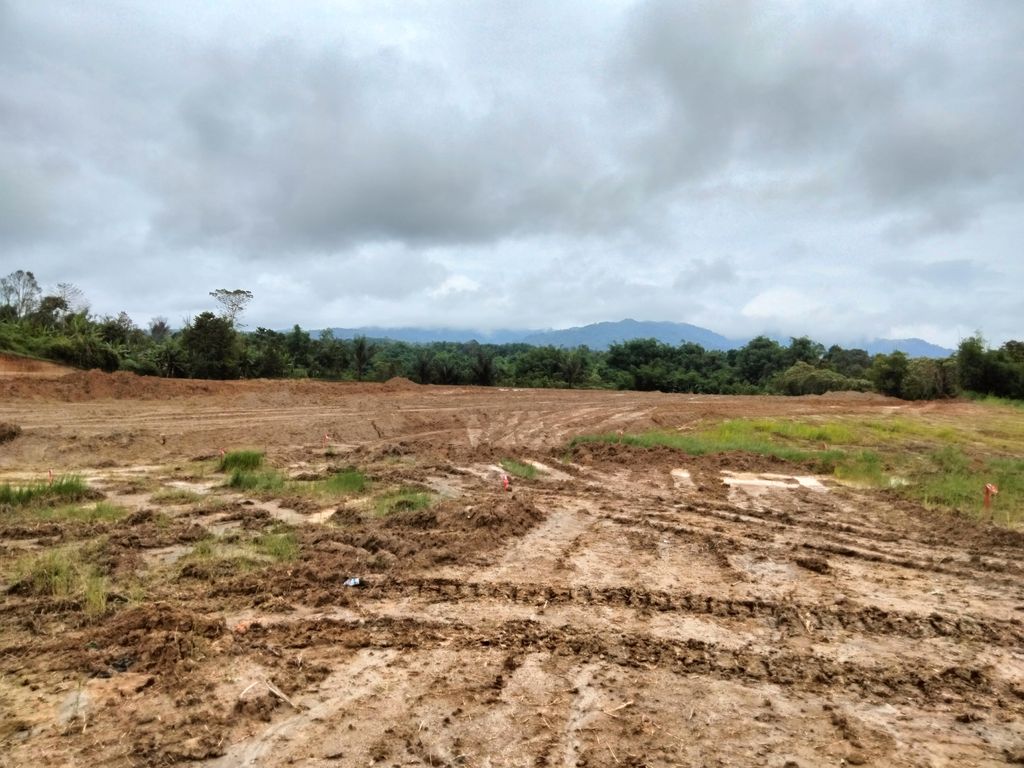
(279, 546)
(262, 480)
(402, 500)
(175, 496)
(244, 460)
(519, 469)
(63, 574)
(96, 592)
(349, 480)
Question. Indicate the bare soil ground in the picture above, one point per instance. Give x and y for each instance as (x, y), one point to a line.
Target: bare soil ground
(626, 607)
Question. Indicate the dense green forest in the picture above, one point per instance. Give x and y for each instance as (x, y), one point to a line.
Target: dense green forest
(57, 325)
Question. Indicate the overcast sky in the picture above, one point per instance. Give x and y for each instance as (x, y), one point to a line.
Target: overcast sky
(842, 169)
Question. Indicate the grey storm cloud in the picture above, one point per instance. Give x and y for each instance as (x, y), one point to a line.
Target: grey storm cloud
(446, 164)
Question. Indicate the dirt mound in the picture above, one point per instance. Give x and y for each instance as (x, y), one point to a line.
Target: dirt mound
(399, 384)
(14, 365)
(79, 386)
(511, 516)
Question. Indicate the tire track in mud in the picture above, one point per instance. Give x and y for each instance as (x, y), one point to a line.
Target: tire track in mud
(754, 542)
(798, 617)
(871, 513)
(842, 538)
(801, 616)
(796, 670)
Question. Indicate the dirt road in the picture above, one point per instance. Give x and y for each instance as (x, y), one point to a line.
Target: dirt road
(625, 607)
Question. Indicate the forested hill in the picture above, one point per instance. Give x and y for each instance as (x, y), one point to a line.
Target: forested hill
(601, 336)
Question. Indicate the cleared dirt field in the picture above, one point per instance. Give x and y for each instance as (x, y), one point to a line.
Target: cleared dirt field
(623, 607)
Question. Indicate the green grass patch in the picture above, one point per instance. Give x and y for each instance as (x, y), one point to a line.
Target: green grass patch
(240, 460)
(345, 482)
(519, 469)
(257, 480)
(751, 429)
(278, 546)
(957, 481)
(175, 496)
(100, 512)
(63, 488)
(902, 430)
(402, 500)
(993, 400)
(862, 467)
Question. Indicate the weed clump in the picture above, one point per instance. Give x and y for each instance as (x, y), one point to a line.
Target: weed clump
(243, 460)
(8, 431)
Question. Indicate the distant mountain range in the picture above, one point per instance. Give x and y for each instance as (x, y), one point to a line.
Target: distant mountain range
(601, 335)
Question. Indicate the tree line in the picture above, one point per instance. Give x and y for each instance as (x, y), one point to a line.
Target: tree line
(58, 325)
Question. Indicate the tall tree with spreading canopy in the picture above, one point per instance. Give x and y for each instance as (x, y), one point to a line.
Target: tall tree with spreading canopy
(21, 291)
(233, 302)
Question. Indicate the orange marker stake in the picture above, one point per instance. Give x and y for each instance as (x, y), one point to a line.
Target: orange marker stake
(327, 439)
(506, 482)
(990, 491)
(51, 477)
